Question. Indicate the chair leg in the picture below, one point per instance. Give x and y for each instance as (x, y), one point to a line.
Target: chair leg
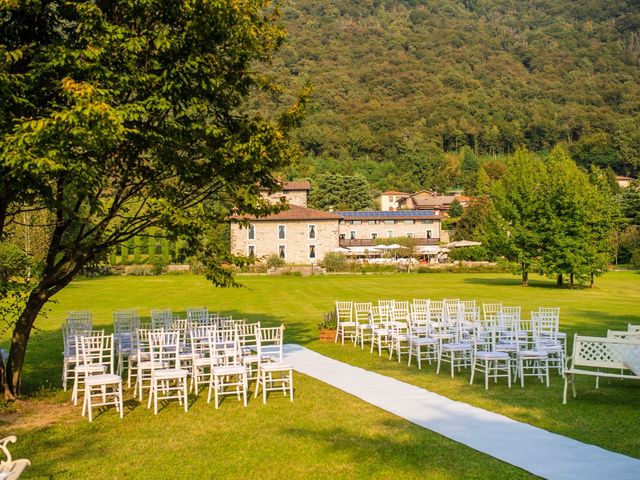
(186, 394)
(120, 399)
(291, 385)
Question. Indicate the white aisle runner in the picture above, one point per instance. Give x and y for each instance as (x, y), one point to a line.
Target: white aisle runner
(538, 451)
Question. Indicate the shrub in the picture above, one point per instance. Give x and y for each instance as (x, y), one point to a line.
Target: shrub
(292, 273)
(159, 265)
(475, 253)
(138, 270)
(13, 262)
(335, 262)
(274, 261)
(329, 321)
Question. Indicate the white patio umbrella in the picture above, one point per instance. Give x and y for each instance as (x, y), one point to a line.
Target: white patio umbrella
(341, 250)
(393, 246)
(464, 243)
(363, 251)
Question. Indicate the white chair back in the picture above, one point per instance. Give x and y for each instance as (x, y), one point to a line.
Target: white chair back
(270, 343)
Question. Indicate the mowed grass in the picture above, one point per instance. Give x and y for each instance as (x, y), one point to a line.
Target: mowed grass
(324, 433)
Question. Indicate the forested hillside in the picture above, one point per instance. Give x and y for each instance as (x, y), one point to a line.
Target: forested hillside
(399, 82)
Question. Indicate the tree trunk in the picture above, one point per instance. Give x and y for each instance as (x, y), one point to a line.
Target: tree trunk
(593, 280)
(571, 280)
(19, 340)
(560, 281)
(525, 278)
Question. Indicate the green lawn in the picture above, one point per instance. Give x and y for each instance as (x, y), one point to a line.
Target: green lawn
(324, 433)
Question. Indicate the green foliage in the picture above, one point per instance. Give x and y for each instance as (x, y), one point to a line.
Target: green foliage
(13, 262)
(120, 117)
(491, 75)
(274, 261)
(552, 217)
(334, 262)
(329, 321)
(475, 253)
(456, 209)
(630, 204)
(473, 223)
(341, 192)
(158, 266)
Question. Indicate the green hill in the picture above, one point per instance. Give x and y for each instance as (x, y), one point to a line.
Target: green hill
(391, 77)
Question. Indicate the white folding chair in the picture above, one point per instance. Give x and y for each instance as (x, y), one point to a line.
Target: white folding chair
(346, 327)
(101, 389)
(421, 346)
(70, 349)
(273, 373)
(380, 328)
(168, 380)
(364, 328)
(228, 375)
(486, 359)
(83, 369)
(161, 318)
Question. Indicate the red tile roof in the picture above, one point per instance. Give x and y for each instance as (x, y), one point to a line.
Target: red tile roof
(296, 185)
(295, 212)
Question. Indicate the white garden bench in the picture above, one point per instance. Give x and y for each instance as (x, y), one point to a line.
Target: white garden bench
(601, 357)
(11, 469)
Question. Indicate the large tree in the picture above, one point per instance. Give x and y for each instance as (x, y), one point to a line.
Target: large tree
(117, 116)
(519, 201)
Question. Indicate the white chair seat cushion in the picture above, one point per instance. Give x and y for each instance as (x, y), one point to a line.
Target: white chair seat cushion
(347, 324)
(201, 361)
(381, 331)
(365, 326)
(556, 348)
(170, 373)
(143, 356)
(492, 355)
(97, 368)
(532, 354)
(275, 367)
(424, 341)
(633, 360)
(103, 379)
(251, 359)
(228, 370)
(457, 346)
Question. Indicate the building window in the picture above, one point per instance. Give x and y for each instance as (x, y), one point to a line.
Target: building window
(355, 222)
(312, 252)
(282, 252)
(281, 232)
(429, 234)
(251, 250)
(427, 221)
(374, 236)
(389, 233)
(409, 235)
(373, 222)
(352, 234)
(409, 222)
(312, 231)
(341, 236)
(251, 233)
(389, 222)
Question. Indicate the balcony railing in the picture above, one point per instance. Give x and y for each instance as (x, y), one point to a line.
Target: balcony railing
(369, 242)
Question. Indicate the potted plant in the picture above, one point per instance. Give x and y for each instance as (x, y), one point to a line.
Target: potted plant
(328, 327)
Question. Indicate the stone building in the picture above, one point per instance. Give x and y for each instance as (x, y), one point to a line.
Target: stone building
(297, 235)
(388, 201)
(364, 228)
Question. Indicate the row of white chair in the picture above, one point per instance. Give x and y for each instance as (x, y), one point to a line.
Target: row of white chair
(165, 362)
(453, 332)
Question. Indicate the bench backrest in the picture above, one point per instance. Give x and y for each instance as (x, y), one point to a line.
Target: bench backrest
(599, 352)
